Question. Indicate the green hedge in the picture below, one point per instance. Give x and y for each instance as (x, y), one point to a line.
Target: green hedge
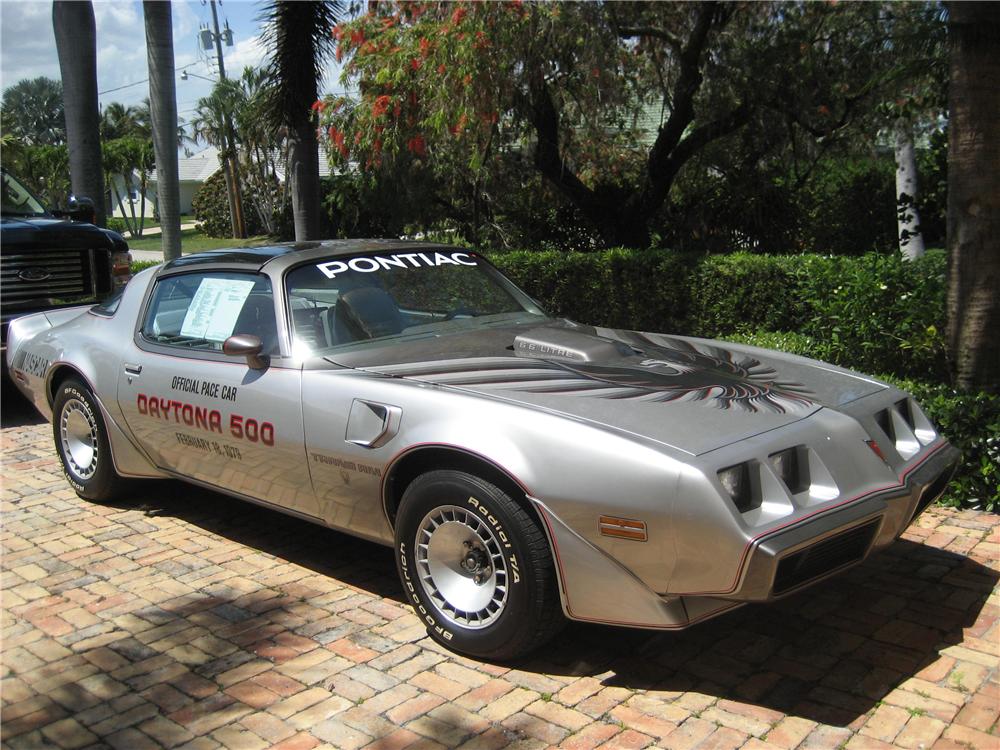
(872, 312)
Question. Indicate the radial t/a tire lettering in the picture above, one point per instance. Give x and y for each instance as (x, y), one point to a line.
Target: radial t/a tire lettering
(476, 566)
(81, 440)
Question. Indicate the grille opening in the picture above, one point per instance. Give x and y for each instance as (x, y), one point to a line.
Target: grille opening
(903, 407)
(884, 421)
(823, 558)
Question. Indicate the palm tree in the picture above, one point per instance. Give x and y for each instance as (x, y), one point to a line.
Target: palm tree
(163, 116)
(33, 112)
(212, 124)
(119, 121)
(76, 44)
(299, 39)
(261, 148)
(974, 195)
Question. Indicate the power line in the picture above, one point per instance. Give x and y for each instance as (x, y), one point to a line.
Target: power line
(136, 83)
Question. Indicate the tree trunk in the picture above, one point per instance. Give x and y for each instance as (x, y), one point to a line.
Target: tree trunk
(974, 195)
(303, 181)
(163, 113)
(76, 44)
(911, 240)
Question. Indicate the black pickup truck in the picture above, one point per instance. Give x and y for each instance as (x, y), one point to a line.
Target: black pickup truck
(48, 261)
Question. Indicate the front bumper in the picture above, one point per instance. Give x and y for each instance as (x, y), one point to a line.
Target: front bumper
(596, 588)
(786, 561)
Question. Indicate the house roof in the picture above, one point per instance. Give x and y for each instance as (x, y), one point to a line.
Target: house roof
(202, 165)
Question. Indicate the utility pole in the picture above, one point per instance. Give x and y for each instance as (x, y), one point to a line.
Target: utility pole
(232, 165)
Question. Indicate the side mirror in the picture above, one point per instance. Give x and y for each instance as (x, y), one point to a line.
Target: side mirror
(249, 346)
(78, 209)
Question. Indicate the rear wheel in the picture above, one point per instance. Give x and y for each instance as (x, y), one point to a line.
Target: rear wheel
(476, 566)
(82, 443)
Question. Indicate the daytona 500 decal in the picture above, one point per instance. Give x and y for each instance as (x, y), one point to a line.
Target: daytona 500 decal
(204, 418)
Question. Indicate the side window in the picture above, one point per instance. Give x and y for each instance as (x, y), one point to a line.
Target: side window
(201, 310)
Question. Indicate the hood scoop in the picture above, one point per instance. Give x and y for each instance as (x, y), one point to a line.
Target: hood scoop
(566, 345)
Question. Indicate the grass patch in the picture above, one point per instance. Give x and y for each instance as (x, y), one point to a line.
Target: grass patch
(193, 241)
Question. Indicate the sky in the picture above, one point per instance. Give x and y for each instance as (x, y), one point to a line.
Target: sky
(28, 47)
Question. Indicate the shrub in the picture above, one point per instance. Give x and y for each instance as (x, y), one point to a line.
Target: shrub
(117, 224)
(646, 290)
(211, 207)
(139, 265)
(878, 313)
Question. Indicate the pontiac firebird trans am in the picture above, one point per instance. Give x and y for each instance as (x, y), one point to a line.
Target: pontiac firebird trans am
(522, 467)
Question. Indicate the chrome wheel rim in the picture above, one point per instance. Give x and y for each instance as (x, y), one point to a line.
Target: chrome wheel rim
(78, 434)
(461, 567)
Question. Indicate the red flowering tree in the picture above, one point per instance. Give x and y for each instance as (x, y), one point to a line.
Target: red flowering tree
(607, 101)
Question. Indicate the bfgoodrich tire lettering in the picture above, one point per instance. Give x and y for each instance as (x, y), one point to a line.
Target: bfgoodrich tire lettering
(82, 443)
(476, 566)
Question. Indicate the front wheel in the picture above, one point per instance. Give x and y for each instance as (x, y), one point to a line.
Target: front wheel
(476, 566)
(82, 443)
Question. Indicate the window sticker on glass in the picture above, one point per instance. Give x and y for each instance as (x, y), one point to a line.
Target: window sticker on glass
(215, 308)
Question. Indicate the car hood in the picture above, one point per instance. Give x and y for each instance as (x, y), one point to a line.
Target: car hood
(694, 395)
(49, 231)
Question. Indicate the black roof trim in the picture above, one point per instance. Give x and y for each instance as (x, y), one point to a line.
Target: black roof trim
(251, 256)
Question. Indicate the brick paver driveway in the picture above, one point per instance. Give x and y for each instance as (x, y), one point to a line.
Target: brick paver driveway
(187, 619)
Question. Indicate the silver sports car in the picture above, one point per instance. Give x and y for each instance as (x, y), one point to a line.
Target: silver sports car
(523, 468)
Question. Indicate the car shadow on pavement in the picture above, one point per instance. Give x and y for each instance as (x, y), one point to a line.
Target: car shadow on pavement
(353, 561)
(828, 654)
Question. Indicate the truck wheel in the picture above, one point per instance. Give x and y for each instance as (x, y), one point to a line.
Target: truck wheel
(476, 567)
(82, 443)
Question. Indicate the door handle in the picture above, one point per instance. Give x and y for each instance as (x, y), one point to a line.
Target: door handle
(133, 369)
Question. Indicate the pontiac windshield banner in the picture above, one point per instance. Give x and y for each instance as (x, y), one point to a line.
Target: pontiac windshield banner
(372, 263)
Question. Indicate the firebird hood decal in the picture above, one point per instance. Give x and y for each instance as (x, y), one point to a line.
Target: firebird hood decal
(719, 377)
(647, 384)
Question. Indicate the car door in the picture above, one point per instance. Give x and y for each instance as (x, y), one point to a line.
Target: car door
(205, 415)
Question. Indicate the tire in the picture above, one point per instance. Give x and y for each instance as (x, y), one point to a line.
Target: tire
(82, 443)
(476, 567)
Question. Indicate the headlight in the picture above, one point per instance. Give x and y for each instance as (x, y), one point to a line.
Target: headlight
(735, 480)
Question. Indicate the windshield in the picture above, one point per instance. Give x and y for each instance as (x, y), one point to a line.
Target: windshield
(17, 201)
(353, 300)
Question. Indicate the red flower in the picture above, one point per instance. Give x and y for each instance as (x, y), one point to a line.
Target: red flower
(381, 105)
(425, 46)
(467, 79)
(441, 69)
(458, 15)
(357, 36)
(417, 145)
(415, 63)
(318, 106)
(459, 126)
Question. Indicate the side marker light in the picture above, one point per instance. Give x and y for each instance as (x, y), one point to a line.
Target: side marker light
(622, 528)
